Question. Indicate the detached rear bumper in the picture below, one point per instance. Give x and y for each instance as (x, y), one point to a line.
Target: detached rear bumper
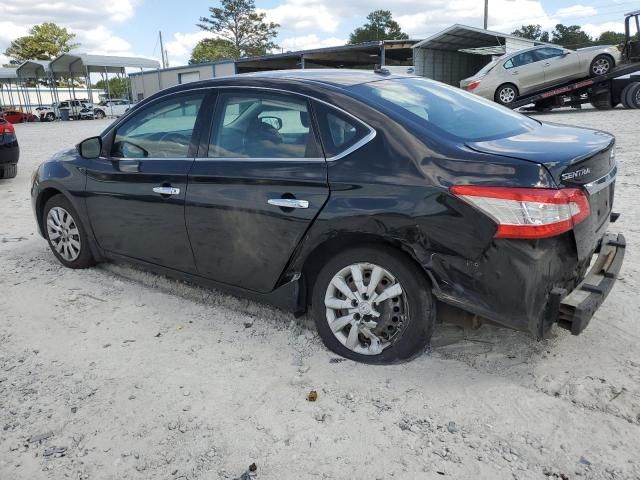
(574, 310)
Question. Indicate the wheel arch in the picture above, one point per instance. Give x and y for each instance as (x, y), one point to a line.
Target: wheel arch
(41, 201)
(317, 256)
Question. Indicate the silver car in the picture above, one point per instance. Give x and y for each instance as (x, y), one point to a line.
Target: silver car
(525, 71)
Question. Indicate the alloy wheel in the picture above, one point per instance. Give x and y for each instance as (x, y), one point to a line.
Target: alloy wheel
(366, 308)
(63, 233)
(601, 66)
(507, 95)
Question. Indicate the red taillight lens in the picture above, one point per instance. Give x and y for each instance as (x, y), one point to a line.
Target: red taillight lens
(527, 212)
(473, 85)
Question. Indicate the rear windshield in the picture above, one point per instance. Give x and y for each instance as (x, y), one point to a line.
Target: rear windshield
(443, 109)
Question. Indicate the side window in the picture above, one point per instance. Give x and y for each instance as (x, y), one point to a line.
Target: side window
(522, 59)
(256, 125)
(162, 130)
(338, 131)
(509, 64)
(548, 52)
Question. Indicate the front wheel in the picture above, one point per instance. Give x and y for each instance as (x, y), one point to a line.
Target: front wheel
(373, 305)
(506, 94)
(66, 236)
(601, 65)
(99, 114)
(50, 117)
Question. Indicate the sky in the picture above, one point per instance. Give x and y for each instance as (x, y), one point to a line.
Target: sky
(130, 27)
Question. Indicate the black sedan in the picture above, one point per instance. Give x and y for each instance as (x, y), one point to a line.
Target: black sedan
(9, 150)
(379, 202)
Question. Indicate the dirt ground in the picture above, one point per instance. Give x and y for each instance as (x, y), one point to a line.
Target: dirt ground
(115, 373)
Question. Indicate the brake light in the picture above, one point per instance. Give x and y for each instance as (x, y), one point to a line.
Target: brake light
(527, 212)
(473, 85)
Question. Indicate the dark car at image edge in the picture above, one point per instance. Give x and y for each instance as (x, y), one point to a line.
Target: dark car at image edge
(380, 203)
(9, 150)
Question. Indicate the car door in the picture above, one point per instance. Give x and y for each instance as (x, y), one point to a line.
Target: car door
(559, 65)
(136, 190)
(260, 185)
(525, 71)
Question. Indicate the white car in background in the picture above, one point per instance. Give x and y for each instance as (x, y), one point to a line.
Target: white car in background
(526, 71)
(114, 107)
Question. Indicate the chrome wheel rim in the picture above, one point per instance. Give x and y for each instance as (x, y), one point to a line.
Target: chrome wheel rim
(63, 233)
(366, 308)
(507, 95)
(601, 66)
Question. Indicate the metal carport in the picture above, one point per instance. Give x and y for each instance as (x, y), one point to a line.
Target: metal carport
(459, 51)
(8, 76)
(38, 70)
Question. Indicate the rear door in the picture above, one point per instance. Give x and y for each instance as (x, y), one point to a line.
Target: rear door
(136, 191)
(526, 71)
(261, 183)
(558, 66)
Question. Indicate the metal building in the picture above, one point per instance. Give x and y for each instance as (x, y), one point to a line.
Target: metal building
(460, 51)
(391, 53)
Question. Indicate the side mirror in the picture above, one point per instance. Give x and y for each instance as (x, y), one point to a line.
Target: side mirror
(90, 148)
(566, 52)
(275, 122)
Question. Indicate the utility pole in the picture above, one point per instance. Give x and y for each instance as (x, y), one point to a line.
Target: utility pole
(162, 54)
(486, 13)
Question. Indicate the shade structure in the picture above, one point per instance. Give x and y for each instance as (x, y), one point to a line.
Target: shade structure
(83, 63)
(33, 69)
(7, 74)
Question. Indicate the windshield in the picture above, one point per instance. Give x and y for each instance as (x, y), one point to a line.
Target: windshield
(443, 109)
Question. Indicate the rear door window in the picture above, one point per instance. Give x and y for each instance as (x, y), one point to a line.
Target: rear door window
(263, 125)
(339, 132)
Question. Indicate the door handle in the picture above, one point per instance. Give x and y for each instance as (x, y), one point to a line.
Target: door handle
(515, 73)
(166, 190)
(288, 203)
(547, 64)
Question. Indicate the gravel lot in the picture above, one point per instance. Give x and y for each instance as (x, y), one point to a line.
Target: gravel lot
(132, 375)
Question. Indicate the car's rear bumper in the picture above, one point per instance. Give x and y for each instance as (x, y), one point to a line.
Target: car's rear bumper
(574, 310)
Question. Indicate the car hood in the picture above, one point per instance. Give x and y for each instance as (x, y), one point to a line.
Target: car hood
(561, 149)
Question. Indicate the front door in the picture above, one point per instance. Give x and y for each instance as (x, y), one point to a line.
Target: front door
(263, 182)
(136, 192)
(559, 65)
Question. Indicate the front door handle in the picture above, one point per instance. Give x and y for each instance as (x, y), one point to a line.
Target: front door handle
(288, 203)
(166, 190)
(515, 73)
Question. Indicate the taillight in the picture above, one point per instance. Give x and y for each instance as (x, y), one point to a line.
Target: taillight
(527, 212)
(473, 85)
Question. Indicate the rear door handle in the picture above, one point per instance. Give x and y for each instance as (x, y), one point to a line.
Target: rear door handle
(288, 203)
(166, 190)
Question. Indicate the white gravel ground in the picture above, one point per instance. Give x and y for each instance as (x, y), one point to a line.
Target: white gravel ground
(139, 376)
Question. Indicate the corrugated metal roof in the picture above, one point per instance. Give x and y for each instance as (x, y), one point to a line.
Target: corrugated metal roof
(33, 69)
(78, 64)
(8, 73)
(457, 37)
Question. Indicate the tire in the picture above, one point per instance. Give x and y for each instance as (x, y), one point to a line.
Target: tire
(601, 65)
(623, 95)
(99, 114)
(632, 97)
(604, 104)
(506, 94)
(8, 171)
(66, 251)
(405, 322)
(50, 117)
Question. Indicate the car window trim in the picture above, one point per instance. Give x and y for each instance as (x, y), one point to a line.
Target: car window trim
(214, 88)
(313, 128)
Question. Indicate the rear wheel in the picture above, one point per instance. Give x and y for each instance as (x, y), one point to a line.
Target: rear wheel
(8, 171)
(506, 94)
(66, 236)
(601, 65)
(373, 305)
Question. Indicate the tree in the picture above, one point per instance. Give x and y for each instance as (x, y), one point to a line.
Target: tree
(381, 26)
(610, 38)
(532, 32)
(238, 22)
(44, 42)
(212, 49)
(570, 36)
(118, 87)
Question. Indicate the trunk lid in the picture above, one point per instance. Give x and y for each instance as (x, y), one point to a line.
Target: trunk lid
(574, 157)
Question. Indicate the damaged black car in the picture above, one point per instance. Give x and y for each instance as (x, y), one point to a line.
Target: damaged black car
(379, 203)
